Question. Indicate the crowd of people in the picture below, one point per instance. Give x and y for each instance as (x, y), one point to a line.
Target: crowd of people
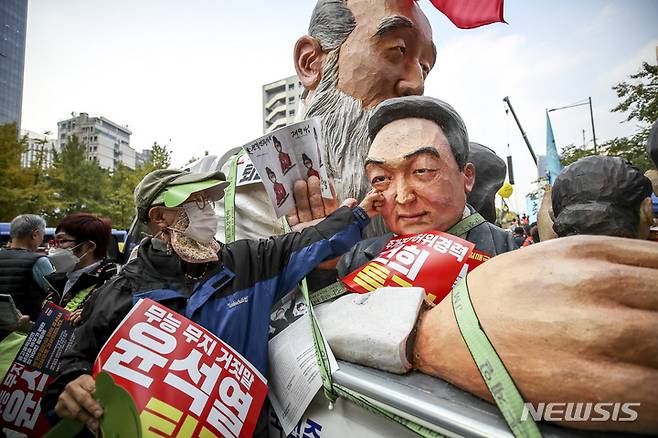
(399, 158)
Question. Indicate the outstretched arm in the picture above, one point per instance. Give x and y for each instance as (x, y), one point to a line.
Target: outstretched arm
(572, 319)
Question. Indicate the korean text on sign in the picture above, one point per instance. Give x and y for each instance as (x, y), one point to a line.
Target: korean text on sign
(183, 379)
(432, 260)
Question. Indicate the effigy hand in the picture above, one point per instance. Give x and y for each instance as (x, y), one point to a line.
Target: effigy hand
(573, 320)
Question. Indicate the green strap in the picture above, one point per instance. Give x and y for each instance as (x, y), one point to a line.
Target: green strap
(491, 367)
(332, 391)
(229, 199)
(320, 349)
(334, 290)
(78, 299)
(461, 228)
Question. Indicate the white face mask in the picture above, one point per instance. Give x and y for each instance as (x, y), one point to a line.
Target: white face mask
(63, 259)
(203, 222)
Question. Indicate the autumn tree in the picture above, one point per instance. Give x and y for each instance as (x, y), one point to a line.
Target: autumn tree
(12, 177)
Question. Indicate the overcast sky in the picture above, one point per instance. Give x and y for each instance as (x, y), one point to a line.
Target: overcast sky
(190, 73)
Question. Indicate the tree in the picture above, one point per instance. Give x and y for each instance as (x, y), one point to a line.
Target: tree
(160, 157)
(79, 184)
(38, 194)
(12, 177)
(573, 153)
(639, 98)
(121, 202)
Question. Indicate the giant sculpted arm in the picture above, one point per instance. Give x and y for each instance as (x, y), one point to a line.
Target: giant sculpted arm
(573, 319)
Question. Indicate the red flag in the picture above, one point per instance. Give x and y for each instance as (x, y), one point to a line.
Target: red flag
(468, 14)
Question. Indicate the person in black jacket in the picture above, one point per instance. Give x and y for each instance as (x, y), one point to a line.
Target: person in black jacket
(79, 253)
(22, 269)
(227, 288)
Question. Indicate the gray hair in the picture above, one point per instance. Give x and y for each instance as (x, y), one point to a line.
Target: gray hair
(331, 23)
(24, 225)
(424, 107)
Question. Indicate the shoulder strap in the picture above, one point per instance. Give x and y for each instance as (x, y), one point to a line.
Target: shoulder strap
(461, 228)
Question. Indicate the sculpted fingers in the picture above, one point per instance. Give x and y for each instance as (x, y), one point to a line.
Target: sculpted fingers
(315, 198)
(302, 203)
(293, 218)
(331, 205)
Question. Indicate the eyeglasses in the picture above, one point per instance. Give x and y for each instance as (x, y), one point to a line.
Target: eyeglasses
(57, 243)
(202, 200)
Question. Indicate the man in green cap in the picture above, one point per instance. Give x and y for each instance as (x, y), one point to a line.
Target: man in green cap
(227, 288)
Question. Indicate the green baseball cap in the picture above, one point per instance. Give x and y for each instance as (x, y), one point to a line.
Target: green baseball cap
(172, 187)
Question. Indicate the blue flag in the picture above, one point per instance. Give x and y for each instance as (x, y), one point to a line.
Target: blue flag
(553, 165)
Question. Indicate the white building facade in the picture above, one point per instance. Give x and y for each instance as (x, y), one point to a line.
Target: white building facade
(106, 141)
(40, 147)
(280, 101)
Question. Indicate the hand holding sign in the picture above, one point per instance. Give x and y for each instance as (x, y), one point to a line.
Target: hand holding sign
(182, 377)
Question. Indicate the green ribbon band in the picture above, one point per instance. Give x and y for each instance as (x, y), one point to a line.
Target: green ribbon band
(229, 199)
(461, 228)
(491, 367)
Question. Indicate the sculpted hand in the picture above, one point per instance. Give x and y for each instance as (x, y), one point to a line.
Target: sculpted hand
(76, 402)
(310, 206)
(573, 319)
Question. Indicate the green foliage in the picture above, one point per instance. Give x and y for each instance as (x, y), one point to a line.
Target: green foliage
(72, 184)
(79, 184)
(573, 153)
(160, 158)
(12, 179)
(639, 98)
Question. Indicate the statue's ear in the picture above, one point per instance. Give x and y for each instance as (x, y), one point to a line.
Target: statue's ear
(309, 59)
(646, 218)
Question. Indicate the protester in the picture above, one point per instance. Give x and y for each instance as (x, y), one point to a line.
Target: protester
(519, 236)
(534, 232)
(604, 196)
(419, 160)
(227, 288)
(346, 68)
(79, 255)
(22, 269)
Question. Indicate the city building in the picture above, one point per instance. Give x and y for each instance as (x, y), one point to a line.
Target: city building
(13, 23)
(280, 101)
(40, 147)
(106, 141)
(141, 158)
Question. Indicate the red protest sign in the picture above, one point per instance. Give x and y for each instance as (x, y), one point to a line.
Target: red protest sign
(432, 260)
(32, 371)
(182, 378)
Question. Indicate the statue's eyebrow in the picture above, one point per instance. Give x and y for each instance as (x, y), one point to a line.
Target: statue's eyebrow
(422, 150)
(373, 160)
(389, 24)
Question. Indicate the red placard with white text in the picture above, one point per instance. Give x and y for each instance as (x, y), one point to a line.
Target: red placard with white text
(32, 371)
(183, 379)
(432, 260)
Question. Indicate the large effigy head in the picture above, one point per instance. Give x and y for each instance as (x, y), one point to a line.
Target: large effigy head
(603, 196)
